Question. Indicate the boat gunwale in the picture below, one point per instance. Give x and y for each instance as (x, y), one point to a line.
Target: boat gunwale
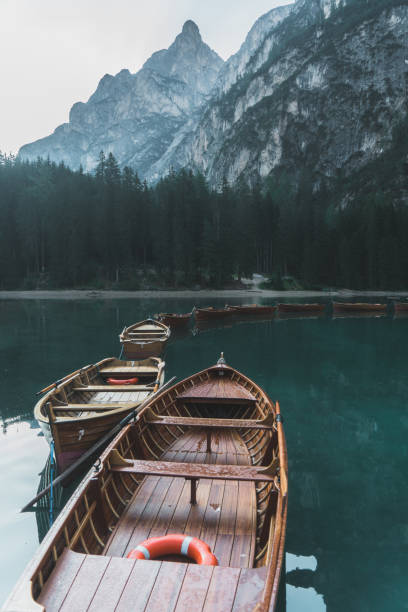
(162, 327)
(253, 308)
(380, 307)
(176, 315)
(299, 307)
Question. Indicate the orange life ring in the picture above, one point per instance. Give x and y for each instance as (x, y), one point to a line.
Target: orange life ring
(174, 544)
(123, 381)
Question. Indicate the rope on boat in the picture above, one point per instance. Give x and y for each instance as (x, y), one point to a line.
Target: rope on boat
(121, 352)
(52, 463)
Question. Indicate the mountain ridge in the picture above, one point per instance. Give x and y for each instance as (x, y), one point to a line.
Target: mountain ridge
(317, 86)
(280, 117)
(135, 116)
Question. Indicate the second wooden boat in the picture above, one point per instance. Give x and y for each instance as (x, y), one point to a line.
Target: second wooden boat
(202, 473)
(144, 339)
(293, 308)
(212, 314)
(400, 306)
(253, 309)
(78, 412)
(174, 320)
(358, 307)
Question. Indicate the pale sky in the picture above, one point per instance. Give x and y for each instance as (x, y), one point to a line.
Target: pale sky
(54, 52)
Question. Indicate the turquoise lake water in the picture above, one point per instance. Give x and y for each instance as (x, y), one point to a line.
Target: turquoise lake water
(342, 385)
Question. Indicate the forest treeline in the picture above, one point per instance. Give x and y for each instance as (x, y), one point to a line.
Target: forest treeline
(63, 229)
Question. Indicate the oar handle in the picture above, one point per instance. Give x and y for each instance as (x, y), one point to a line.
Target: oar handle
(58, 382)
(157, 381)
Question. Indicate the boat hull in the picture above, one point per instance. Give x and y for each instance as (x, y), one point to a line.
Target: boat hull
(294, 308)
(139, 350)
(253, 310)
(175, 321)
(358, 307)
(76, 437)
(401, 307)
(207, 314)
(63, 458)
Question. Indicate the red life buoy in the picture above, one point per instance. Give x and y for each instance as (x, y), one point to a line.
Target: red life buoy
(174, 544)
(123, 381)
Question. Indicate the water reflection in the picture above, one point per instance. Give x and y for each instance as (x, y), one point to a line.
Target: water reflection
(303, 600)
(21, 458)
(300, 595)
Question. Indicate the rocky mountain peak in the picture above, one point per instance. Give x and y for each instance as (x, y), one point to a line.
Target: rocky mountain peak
(188, 59)
(190, 28)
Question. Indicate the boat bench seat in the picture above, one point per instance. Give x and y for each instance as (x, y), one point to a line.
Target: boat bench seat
(210, 424)
(145, 334)
(111, 388)
(92, 407)
(193, 471)
(263, 424)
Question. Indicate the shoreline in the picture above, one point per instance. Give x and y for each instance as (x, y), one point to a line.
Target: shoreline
(88, 294)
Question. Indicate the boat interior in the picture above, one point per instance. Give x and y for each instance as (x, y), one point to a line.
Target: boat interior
(150, 329)
(207, 459)
(90, 390)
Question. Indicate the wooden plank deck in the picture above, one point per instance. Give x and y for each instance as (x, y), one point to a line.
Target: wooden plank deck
(223, 515)
(96, 583)
(217, 390)
(114, 396)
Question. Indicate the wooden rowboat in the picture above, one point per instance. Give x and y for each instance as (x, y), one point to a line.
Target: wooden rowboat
(144, 339)
(253, 309)
(216, 427)
(358, 307)
(79, 411)
(173, 320)
(289, 308)
(211, 314)
(400, 306)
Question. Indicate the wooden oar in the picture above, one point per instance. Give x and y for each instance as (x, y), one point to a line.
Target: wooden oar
(57, 382)
(97, 445)
(157, 381)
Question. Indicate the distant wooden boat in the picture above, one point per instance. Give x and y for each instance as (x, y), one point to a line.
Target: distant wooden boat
(358, 307)
(299, 316)
(253, 309)
(216, 428)
(173, 320)
(400, 306)
(211, 314)
(144, 339)
(294, 308)
(80, 410)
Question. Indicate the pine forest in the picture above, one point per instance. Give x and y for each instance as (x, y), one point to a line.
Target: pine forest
(65, 229)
